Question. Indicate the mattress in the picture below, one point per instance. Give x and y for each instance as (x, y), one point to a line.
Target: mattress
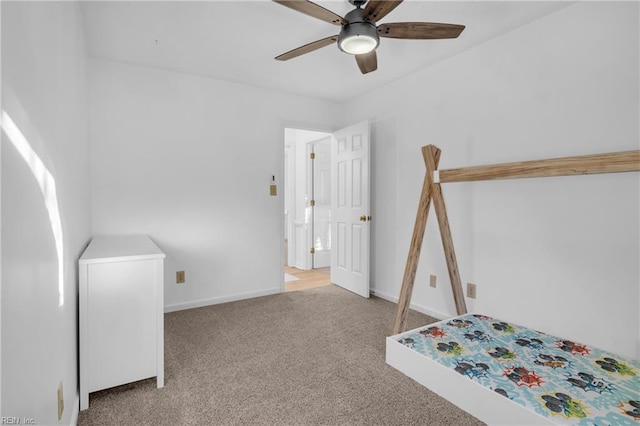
(551, 378)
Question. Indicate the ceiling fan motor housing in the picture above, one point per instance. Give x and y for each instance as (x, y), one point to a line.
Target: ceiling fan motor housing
(358, 36)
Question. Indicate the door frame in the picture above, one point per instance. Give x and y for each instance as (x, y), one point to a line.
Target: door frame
(287, 186)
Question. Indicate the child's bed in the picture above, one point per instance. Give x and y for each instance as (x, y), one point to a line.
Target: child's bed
(503, 373)
(499, 372)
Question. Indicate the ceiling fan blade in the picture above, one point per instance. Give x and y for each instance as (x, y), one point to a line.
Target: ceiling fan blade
(367, 62)
(419, 30)
(378, 9)
(310, 47)
(314, 10)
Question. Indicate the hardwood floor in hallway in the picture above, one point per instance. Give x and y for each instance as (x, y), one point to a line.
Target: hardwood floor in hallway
(306, 279)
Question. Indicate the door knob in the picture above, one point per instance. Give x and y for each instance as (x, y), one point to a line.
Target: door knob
(363, 218)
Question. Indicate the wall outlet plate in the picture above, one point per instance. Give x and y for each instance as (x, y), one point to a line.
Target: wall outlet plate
(433, 280)
(60, 401)
(471, 290)
(180, 277)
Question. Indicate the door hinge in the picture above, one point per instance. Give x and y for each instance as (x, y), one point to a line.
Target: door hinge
(313, 203)
(312, 155)
(312, 250)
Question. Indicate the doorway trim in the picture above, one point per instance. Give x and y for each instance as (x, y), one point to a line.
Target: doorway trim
(287, 169)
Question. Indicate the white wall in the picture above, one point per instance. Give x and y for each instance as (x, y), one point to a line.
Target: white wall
(44, 91)
(187, 160)
(557, 254)
(1, 138)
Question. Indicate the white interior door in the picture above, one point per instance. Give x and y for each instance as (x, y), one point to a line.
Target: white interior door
(321, 196)
(350, 208)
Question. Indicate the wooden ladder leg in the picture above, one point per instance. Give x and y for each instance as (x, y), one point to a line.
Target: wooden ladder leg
(404, 301)
(431, 158)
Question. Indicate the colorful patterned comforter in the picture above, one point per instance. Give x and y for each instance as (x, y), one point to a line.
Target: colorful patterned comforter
(567, 382)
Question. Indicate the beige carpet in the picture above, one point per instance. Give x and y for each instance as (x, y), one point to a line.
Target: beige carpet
(307, 357)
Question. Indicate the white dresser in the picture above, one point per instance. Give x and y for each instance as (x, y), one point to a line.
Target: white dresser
(121, 313)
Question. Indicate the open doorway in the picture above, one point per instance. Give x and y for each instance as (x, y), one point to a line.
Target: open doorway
(307, 209)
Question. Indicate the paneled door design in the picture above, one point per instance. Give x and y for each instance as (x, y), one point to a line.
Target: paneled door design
(350, 208)
(321, 202)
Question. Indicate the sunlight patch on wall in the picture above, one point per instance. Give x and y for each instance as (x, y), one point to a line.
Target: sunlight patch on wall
(47, 186)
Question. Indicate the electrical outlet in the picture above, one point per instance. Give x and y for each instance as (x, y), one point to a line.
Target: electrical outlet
(60, 401)
(471, 291)
(180, 277)
(433, 280)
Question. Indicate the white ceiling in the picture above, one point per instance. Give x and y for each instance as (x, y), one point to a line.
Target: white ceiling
(237, 40)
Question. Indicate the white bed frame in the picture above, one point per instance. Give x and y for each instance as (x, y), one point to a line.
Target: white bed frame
(477, 400)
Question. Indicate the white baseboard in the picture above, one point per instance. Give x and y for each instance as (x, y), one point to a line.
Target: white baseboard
(422, 309)
(223, 299)
(76, 410)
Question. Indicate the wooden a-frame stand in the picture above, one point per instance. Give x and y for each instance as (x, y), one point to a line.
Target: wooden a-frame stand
(627, 161)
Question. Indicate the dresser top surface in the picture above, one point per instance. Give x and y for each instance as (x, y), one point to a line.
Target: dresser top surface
(117, 248)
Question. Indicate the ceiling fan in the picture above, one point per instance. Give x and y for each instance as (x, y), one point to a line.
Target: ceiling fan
(359, 35)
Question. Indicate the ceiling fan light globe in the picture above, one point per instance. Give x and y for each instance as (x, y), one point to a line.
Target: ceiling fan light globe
(358, 44)
(358, 38)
